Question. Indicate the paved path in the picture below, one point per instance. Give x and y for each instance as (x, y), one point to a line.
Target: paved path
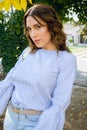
(81, 77)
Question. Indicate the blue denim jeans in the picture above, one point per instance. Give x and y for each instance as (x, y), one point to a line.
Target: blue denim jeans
(14, 121)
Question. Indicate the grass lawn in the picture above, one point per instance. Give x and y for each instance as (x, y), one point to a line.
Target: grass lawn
(77, 48)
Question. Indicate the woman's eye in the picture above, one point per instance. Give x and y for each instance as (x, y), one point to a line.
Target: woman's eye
(28, 29)
(37, 27)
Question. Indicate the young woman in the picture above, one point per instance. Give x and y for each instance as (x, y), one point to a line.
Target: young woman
(42, 82)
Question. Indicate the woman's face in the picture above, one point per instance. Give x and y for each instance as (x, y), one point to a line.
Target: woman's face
(38, 32)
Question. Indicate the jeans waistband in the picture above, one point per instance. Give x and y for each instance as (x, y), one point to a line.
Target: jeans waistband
(24, 111)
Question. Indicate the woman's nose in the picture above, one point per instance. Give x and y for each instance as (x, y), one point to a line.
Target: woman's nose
(33, 34)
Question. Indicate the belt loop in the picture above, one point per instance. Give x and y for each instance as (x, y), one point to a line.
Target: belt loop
(21, 110)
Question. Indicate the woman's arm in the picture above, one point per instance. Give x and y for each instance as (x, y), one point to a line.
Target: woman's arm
(7, 82)
(53, 118)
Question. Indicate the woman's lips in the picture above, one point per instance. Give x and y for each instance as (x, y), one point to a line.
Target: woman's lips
(37, 41)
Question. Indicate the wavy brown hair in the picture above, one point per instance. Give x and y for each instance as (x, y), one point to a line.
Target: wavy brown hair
(55, 27)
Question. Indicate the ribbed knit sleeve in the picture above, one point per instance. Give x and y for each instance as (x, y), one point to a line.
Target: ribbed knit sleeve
(7, 82)
(53, 118)
(6, 86)
(20, 59)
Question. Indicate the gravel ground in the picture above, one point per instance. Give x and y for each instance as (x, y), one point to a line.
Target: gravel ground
(76, 114)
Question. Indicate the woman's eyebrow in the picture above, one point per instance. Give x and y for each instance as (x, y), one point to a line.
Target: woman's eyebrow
(34, 25)
(37, 24)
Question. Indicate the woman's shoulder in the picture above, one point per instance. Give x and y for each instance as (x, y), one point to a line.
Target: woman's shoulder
(25, 52)
(66, 54)
(66, 57)
(26, 49)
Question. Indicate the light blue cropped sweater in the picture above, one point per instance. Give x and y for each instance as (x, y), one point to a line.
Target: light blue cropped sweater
(44, 81)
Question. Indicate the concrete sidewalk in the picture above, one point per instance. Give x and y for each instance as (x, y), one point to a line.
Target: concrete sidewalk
(81, 76)
(81, 79)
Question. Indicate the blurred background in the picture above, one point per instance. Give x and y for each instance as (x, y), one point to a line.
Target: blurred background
(73, 14)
